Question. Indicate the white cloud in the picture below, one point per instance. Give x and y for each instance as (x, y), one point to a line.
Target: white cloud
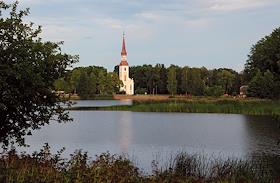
(233, 5)
(199, 23)
(170, 19)
(109, 22)
(61, 29)
(150, 16)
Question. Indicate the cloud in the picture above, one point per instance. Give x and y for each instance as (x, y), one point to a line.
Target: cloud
(172, 19)
(199, 23)
(30, 2)
(150, 16)
(109, 22)
(235, 5)
(62, 29)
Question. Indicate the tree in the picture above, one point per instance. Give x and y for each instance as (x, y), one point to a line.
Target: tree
(171, 80)
(264, 57)
(226, 79)
(116, 83)
(84, 88)
(196, 85)
(28, 70)
(184, 80)
(215, 91)
(262, 86)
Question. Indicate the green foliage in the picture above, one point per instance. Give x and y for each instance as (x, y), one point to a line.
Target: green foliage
(86, 87)
(184, 80)
(263, 86)
(46, 167)
(160, 80)
(202, 105)
(195, 82)
(214, 91)
(89, 82)
(226, 79)
(29, 68)
(265, 57)
(172, 81)
(149, 79)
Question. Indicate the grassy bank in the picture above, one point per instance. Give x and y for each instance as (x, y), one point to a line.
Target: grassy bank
(45, 167)
(97, 97)
(201, 105)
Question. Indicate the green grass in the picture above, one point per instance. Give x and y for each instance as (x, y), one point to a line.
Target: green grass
(96, 97)
(201, 105)
(45, 167)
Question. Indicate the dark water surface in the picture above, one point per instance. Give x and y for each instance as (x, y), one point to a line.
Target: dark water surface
(155, 136)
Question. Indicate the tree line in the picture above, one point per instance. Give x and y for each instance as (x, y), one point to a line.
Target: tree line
(184, 80)
(88, 82)
(261, 74)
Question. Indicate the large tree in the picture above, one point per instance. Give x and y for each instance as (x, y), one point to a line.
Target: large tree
(264, 57)
(28, 69)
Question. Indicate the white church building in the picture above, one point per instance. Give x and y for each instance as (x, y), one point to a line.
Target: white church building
(128, 83)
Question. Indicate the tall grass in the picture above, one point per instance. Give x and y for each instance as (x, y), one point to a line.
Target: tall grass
(43, 166)
(202, 105)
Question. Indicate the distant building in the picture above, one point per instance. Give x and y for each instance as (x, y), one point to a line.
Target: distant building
(128, 83)
(243, 91)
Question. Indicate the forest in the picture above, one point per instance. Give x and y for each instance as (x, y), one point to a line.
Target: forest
(158, 79)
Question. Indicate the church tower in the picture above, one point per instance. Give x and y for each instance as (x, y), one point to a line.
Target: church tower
(128, 83)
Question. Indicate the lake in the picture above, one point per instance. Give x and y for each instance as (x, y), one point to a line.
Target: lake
(144, 137)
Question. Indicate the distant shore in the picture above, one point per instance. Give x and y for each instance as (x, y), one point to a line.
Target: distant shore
(226, 105)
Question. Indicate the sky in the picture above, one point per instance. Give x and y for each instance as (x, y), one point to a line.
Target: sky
(194, 33)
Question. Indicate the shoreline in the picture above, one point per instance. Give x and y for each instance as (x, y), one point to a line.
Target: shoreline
(257, 107)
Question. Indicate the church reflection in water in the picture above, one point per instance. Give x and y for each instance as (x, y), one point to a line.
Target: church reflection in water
(125, 131)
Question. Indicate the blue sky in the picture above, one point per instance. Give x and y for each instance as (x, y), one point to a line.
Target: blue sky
(210, 33)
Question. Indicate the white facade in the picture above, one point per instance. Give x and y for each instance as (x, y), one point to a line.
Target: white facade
(128, 83)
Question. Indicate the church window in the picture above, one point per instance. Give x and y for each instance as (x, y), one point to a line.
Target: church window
(124, 69)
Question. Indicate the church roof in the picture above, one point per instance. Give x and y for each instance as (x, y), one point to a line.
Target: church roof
(123, 47)
(123, 63)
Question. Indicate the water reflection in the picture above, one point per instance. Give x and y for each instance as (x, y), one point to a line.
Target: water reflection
(125, 130)
(262, 136)
(147, 136)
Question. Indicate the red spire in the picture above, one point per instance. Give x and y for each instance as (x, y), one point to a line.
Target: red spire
(123, 47)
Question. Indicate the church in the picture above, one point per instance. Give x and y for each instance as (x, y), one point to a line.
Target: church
(128, 83)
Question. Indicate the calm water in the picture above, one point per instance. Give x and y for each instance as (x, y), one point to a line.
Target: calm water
(97, 103)
(148, 136)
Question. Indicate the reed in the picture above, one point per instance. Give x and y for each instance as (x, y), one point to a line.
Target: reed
(201, 105)
(44, 167)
